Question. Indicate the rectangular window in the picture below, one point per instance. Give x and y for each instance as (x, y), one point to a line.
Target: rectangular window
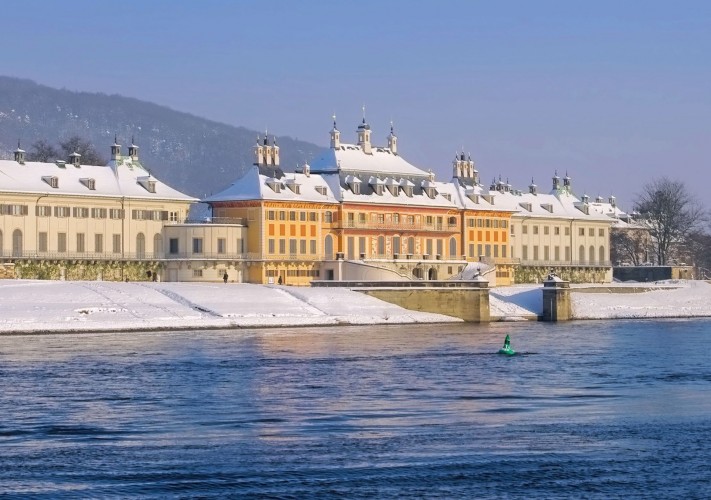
(62, 211)
(271, 248)
(524, 229)
(42, 243)
(487, 250)
(524, 252)
(270, 214)
(116, 213)
(116, 243)
(567, 231)
(282, 246)
(567, 253)
(292, 215)
(361, 244)
(581, 231)
(546, 253)
(591, 231)
(535, 229)
(81, 242)
(173, 246)
(173, 216)
(535, 252)
(302, 216)
(313, 216)
(302, 247)
(503, 251)
(556, 253)
(601, 232)
(61, 242)
(98, 213)
(471, 250)
(197, 245)
(197, 273)
(292, 246)
(221, 245)
(496, 250)
(282, 215)
(98, 243)
(312, 246)
(80, 212)
(43, 210)
(479, 250)
(546, 229)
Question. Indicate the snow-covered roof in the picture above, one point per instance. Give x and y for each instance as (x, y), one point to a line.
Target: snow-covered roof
(120, 178)
(352, 158)
(256, 186)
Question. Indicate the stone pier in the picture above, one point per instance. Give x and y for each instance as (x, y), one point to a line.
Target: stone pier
(465, 299)
(556, 299)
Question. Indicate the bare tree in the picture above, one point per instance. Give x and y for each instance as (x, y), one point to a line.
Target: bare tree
(89, 155)
(629, 245)
(671, 213)
(43, 151)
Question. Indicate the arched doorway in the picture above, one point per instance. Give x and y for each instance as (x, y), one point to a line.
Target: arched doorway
(157, 246)
(381, 247)
(17, 243)
(592, 253)
(581, 254)
(452, 247)
(140, 245)
(432, 275)
(602, 253)
(417, 273)
(328, 246)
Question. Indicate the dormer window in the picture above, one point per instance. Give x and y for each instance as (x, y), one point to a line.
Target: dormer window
(293, 186)
(89, 183)
(430, 192)
(354, 183)
(274, 184)
(447, 196)
(377, 185)
(547, 207)
(322, 190)
(148, 183)
(526, 206)
(52, 180)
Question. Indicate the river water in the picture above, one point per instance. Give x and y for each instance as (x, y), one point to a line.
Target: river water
(587, 409)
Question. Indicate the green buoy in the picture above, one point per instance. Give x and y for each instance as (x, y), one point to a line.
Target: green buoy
(507, 347)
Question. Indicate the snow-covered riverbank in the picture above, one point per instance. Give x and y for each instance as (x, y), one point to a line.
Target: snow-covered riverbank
(62, 306)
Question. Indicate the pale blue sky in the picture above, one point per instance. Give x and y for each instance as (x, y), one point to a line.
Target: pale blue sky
(614, 92)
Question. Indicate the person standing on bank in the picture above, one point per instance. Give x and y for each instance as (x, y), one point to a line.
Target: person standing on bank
(225, 277)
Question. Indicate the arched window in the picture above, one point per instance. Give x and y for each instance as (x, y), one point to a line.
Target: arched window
(328, 245)
(140, 245)
(432, 274)
(581, 254)
(411, 244)
(602, 254)
(17, 243)
(396, 245)
(452, 247)
(452, 221)
(417, 273)
(157, 245)
(381, 246)
(592, 253)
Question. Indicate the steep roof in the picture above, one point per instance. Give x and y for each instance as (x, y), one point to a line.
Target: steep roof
(120, 178)
(352, 158)
(254, 185)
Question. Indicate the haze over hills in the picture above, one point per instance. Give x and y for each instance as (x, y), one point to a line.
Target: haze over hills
(192, 154)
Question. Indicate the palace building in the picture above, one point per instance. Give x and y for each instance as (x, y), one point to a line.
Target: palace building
(358, 211)
(69, 220)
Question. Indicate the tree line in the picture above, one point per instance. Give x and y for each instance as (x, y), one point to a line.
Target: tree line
(44, 151)
(670, 226)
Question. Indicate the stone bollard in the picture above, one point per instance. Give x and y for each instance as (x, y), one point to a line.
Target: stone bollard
(556, 299)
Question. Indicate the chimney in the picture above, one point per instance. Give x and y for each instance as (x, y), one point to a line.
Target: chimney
(19, 154)
(75, 159)
(133, 151)
(115, 150)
